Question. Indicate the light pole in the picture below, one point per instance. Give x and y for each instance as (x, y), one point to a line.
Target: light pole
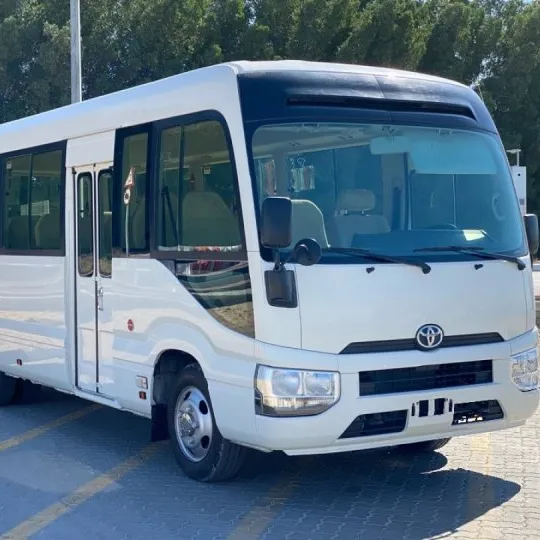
(515, 152)
(519, 177)
(76, 74)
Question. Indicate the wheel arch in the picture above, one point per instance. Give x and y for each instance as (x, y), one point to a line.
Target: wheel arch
(167, 366)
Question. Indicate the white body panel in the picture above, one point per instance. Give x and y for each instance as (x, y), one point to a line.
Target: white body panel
(394, 301)
(98, 148)
(51, 321)
(33, 324)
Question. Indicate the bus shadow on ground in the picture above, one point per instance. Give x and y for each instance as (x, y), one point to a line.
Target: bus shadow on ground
(34, 394)
(381, 493)
(367, 494)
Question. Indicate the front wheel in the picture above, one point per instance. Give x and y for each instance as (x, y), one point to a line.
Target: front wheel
(424, 446)
(200, 450)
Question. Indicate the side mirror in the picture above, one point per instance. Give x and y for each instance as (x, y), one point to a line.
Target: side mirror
(276, 226)
(307, 252)
(533, 233)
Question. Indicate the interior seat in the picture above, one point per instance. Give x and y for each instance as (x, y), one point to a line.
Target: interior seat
(18, 233)
(353, 217)
(308, 222)
(208, 221)
(47, 230)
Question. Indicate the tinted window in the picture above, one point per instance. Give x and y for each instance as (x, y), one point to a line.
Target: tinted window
(105, 200)
(85, 225)
(134, 191)
(33, 201)
(197, 202)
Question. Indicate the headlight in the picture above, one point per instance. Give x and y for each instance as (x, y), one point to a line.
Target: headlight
(294, 392)
(525, 370)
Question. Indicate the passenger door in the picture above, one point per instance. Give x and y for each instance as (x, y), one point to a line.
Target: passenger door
(93, 211)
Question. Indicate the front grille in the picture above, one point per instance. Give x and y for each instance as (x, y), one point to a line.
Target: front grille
(411, 344)
(376, 424)
(477, 411)
(428, 377)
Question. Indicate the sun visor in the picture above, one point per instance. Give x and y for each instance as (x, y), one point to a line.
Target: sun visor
(435, 153)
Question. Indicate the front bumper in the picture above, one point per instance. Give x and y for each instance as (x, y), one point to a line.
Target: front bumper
(325, 433)
(339, 429)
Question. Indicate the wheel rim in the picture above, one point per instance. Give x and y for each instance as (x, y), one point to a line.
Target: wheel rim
(193, 423)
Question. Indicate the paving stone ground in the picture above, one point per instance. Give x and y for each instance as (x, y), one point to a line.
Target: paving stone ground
(483, 487)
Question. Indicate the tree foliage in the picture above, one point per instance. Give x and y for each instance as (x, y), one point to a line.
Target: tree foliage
(494, 44)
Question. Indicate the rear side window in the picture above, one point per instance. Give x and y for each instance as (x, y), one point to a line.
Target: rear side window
(33, 204)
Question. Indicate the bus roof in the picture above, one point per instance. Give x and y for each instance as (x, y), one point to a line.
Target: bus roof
(159, 99)
(333, 67)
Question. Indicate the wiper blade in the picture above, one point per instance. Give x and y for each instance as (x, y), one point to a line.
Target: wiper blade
(379, 257)
(479, 252)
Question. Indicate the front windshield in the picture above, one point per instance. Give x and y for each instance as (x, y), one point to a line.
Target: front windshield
(391, 189)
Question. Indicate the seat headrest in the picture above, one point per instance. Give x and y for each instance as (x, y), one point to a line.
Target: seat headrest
(209, 201)
(356, 200)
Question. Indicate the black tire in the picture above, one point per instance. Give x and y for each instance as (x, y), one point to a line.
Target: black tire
(424, 446)
(10, 390)
(223, 459)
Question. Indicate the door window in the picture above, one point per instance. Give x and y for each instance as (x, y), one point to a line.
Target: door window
(85, 225)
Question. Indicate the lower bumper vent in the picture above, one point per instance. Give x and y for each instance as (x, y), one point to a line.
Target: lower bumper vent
(376, 424)
(477, 411)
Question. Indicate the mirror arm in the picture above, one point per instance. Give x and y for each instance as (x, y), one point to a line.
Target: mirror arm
(278, 265)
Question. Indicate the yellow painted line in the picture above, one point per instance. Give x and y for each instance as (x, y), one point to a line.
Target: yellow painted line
(257, 520)
(36, 432)
(39, 521)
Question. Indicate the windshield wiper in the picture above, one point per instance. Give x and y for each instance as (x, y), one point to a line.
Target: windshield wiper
(479, 252)
(378, 257)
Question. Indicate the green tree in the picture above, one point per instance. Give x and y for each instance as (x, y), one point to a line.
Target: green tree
(34, 58)
(387, 32)
(322, 27)
(513, 89)
(462, 36)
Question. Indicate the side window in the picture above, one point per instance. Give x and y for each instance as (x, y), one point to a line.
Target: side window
(85, 225)
(105, 198)
(133, 216)
(17, 172)
(197, 201)
(33, 202)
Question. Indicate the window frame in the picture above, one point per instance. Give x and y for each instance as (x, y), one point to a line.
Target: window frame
(40, 149)
(157, 130)
(99, 176)
(90, 176)
(118, 188)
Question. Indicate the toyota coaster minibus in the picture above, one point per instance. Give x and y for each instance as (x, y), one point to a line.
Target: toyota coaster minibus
(275, 256)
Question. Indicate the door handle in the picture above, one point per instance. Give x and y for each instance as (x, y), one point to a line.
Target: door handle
(99, 298)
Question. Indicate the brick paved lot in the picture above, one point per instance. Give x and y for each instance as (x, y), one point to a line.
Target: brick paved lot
(70, 470)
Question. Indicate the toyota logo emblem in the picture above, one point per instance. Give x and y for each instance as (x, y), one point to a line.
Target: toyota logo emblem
(429, 336)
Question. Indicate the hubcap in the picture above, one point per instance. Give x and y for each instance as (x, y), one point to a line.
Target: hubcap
(193, 423)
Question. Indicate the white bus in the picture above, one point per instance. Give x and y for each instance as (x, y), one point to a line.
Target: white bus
(280, 256)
